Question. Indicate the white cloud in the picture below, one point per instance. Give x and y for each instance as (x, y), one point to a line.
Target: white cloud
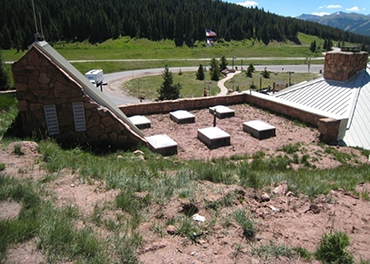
(248, 3)
(334, 6)
(320, 13)
(353, 9)
(330, 7)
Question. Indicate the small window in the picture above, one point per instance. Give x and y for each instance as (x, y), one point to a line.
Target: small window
(51, 119)
(79, 117)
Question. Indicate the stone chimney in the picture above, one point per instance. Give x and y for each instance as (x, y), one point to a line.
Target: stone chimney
(344, 64)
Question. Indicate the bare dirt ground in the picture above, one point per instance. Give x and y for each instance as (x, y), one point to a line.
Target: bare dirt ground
(287, 132)
(285, 219)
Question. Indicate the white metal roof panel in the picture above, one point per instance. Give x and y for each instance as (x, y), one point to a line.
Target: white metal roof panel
(358, 129)
(350, 99)
(325, 95)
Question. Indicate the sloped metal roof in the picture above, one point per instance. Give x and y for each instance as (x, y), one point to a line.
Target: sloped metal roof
(358, 127)
(349, 99)
(87, 87)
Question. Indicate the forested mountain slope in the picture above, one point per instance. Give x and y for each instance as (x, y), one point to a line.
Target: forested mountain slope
(352, 22)
(183, 21)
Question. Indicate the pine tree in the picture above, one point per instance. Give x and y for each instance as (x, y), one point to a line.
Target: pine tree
(250, 70)
(215, 70)
(168, 90)
(200, 73)
(4, 79)
(223, 65)
(265, 74)
(313, 46)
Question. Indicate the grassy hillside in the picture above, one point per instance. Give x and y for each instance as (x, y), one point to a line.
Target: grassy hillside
(128, 48)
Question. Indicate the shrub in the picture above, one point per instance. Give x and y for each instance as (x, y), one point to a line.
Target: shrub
(271, 250)
(290, 148)
(332, 249)
(18, 150)
(246, 223)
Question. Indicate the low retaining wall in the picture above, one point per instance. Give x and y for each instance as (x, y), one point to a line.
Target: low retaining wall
(284, 109)
(181, 104)
(328, 130)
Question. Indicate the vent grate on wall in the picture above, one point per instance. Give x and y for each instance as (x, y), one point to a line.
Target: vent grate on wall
(51, 119)
(79, 117)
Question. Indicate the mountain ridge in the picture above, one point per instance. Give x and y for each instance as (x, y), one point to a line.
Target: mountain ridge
(351, 22)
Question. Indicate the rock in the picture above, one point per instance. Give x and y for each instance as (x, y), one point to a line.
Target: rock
(171, 229)
(280, 190)
(315, 208)
(198, 218)
(138, 152)
(273, 208)
(265, 197)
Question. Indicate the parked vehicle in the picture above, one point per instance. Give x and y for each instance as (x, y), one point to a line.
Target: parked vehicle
(95, 76)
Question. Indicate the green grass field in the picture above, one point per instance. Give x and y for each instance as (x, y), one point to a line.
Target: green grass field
(191, 87)
(147, 86)
(127, 48)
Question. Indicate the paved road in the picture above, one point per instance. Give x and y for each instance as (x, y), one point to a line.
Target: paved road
(115, 80)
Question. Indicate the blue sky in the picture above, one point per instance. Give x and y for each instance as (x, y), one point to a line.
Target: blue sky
(295, 8)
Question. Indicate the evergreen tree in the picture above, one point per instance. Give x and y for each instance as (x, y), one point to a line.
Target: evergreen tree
(4, 78)
(265, 74)
(313, 46)
(179, 21)
(7, 39)
(168, 90)
(214, 70)
(200, 73)
(325, 45)
(329, 46)
(223, 63)
(250, 71)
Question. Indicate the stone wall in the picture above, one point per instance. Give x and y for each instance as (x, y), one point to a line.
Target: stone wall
(188, 104)
(343, 65)
(39, 82)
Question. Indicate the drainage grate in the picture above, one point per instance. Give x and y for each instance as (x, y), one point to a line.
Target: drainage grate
(51, 119)
(79, 117)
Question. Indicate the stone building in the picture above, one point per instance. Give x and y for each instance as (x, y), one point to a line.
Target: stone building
(342, 94)
(56, 100)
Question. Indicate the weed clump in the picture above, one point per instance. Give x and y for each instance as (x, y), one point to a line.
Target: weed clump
(246, 223)
(332, 249)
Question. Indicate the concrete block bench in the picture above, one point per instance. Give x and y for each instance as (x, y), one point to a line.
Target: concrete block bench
(213, 137)
(162, 144)
(140, 121)
(259, 129)
(222, 111)
(182, 117)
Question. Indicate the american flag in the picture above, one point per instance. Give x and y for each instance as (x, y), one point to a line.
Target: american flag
(210, 33)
